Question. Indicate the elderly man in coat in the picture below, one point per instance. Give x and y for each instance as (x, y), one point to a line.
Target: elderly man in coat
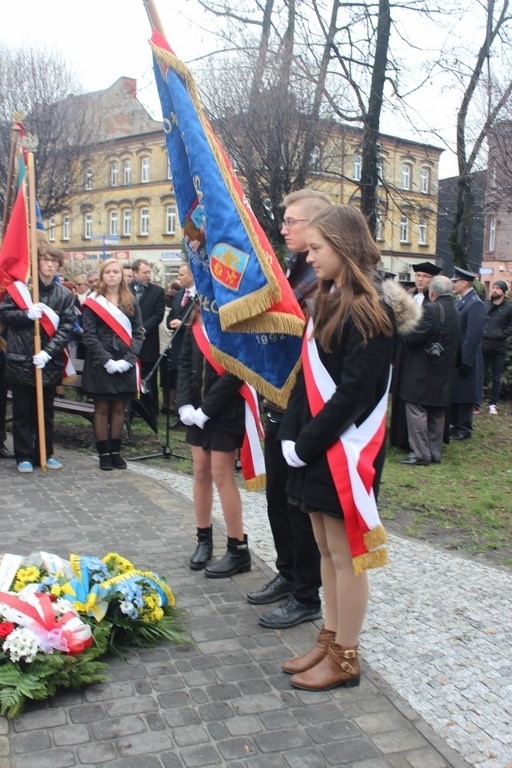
(468, 380)
(425, 385)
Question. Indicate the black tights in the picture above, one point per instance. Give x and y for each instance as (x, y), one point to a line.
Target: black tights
(108, 413)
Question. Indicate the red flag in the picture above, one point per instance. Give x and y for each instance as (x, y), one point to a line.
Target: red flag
(14, 255)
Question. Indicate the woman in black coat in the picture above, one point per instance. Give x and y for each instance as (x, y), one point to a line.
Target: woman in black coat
(113, 336)
(210, 405)
(333, 431)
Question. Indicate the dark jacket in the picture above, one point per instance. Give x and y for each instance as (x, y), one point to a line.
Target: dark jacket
(199, 385)
(101, 345)
(176, 312)
(20, 336)
(497, 328)
(467, 385)
(361, 374)
(424, 380)
(152, 308)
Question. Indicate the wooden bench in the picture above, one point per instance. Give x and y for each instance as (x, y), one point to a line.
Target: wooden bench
(79, 407)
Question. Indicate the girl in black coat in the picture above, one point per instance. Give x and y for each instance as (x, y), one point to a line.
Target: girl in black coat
(210, 405)
(113, 336)
(347, 358)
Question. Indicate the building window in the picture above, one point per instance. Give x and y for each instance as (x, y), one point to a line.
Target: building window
(170, 220)
(491, 233)
(379, 228)
(51, 230)
(422, 231)
(144, 170)
(127, 172)
(88, 178)
(127, 222)
(425, 181)
(380, 171)
(404, 229)
(406, 176)
(144, 221)
(356, 167)
(87, 226)
(169, 171)
(66, 227)
(114, 174)
(314, 162)
(113, 223)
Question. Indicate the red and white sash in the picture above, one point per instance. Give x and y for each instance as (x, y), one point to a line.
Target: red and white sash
(20, 294)
(116, 320)
(351, 462)
(251, 454)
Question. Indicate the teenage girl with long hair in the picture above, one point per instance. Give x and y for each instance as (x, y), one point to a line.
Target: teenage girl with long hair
(113, 336)
(342, 393)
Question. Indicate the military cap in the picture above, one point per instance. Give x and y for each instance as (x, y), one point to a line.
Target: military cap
(462, 274)
(427, 267)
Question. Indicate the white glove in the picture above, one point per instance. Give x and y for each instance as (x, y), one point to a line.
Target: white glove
(111, 366)
(41, 359)
(123, 366)
(200, 418)
(35, 312)
(290, 454)
(186, 414)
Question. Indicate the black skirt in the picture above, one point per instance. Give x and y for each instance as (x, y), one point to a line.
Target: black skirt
(212, 439)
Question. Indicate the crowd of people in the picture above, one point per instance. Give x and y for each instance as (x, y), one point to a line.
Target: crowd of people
(365, 336)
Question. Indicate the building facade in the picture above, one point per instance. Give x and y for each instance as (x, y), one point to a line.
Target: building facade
(127, 209)
(497, 246)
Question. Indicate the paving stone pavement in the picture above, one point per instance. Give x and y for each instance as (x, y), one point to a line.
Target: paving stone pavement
(224, 700)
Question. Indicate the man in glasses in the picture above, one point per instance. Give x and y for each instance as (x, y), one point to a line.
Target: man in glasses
(21, 360)
(298, 559)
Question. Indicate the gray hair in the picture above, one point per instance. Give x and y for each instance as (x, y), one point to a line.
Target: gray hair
(440, 286)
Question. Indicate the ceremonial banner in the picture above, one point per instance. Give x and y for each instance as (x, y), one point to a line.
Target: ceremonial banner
(251, 316)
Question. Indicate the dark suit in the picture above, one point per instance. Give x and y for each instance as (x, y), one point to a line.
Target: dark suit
(467, 387)
(178, 308)
(425, 384)
(152, 307)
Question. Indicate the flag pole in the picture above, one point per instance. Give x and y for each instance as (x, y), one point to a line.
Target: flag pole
(154, 18)
(15, 137)
(34, 269)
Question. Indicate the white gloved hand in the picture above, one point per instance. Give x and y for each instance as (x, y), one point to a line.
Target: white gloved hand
(200, 418)
(187, 414)
(35, 311)
(123, 366)
(41, 359)
(110, 366)
(290, 454)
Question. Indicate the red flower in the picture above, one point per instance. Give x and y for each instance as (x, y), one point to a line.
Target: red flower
(6, 627)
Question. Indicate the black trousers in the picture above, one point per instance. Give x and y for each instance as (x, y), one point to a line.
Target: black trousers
(24, 422)
(298, 558)
(3, 400)
(461, 419)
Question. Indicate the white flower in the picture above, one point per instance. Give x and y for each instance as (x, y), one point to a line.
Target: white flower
(21, 643)
(62, 606)
(127, 608)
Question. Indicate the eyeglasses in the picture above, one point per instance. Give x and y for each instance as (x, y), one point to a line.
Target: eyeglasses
(290, 222)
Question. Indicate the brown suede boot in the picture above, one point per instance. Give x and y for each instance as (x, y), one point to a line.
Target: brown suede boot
(339, 667)
(313, 656)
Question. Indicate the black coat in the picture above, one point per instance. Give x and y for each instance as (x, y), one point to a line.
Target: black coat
(201, 386)
(423, 380)
(102, 344)
(20, 336)
(497, 328)
(176, 312)
(467, 385)
(152, 308)
(361, 373)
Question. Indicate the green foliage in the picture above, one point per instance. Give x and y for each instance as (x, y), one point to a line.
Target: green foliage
(125, 632)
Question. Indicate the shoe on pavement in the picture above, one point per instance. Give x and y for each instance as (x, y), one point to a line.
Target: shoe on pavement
(273, 590)
(289, 614)
(52, 463)
(5, 453)
(493, 410)
(25, 467)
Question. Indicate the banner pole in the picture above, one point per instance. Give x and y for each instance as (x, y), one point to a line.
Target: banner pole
(34, 269)
(154, 18)
(15, 137)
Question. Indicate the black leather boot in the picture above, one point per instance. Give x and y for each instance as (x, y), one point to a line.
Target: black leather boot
(103, 449)
(115, 452)
(236, 560)
(204, 550)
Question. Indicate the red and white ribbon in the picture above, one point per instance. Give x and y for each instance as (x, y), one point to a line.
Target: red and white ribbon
(351, 462)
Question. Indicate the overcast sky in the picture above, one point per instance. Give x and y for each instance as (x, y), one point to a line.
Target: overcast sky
(105, 39)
